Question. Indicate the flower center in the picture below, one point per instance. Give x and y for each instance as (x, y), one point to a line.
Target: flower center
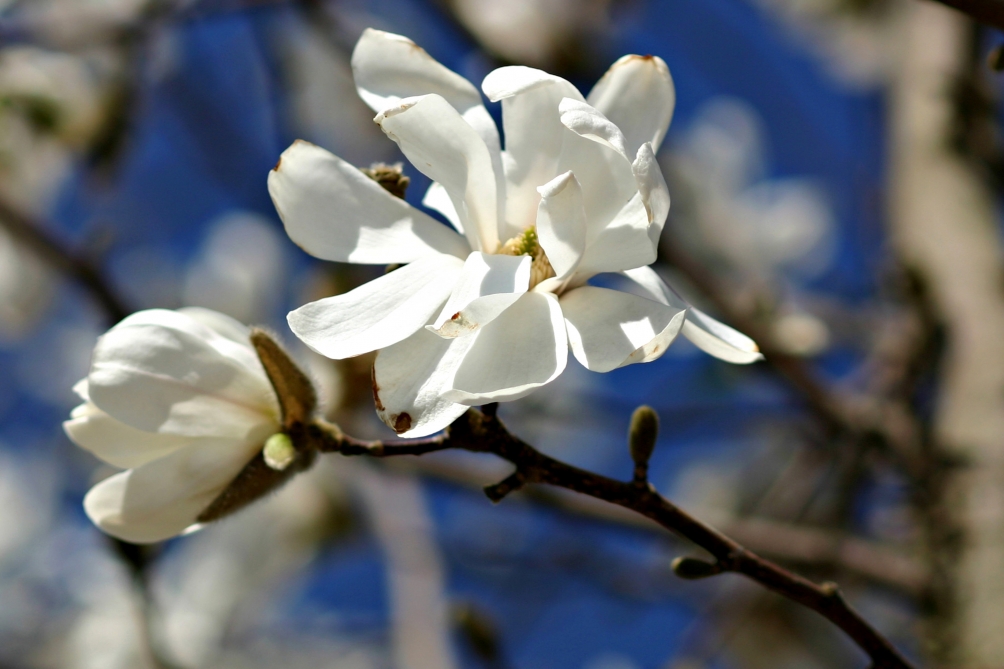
(526, 244)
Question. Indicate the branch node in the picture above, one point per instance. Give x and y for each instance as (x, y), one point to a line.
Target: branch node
(831, 589)
(511, 483)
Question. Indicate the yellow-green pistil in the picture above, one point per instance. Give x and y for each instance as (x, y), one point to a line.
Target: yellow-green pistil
(527, 244)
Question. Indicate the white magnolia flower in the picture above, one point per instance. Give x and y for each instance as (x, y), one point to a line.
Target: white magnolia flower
(489, 314)
(181, 401)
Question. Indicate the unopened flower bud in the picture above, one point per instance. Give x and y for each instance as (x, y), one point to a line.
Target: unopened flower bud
(641, 438)
(279, 451)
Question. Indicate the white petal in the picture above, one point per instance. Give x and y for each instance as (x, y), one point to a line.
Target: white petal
(533, 135)
(708, 334)
(221, 324)
(378, 313)
(653, 189)
(437, 199)
(656, 288)
(637, 94)
(523, 349)
(561, 223)
(441, 145)
(410, 379)
(163, 498)
(335, 212)
(623, 243)
(479, 312)
(603, 172)
(162, 371)
(388, 68)
(493, 281)
(115, 442)
(608, 329)
(717, 339)
(585, 121)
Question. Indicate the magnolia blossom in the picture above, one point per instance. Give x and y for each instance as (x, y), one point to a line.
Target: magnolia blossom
(181, 401)
(487, 311)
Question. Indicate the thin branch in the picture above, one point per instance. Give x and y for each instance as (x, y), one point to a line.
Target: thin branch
(481, 433)
(33, 234)
(788, 542)
(888, 423)
(989, 12)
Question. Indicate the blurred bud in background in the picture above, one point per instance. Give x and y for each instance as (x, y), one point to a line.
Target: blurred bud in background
(760, 225)
(50, 104)
(538, 33)
(853, 39)
(771, 234)
(73, 23)
(240, 270)
(326, 108)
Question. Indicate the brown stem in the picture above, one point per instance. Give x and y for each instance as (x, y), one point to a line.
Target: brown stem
(989, 12)
(864, 419)
(481, 433)
(33, 234)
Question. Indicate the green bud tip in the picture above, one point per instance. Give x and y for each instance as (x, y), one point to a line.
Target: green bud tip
(642, 434)
(693, 569)
(279, 451)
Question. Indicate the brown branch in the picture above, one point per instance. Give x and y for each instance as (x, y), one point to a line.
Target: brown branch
(885, 423)
(988, 12)
(786, 541)
(481, 433)
(32, 233)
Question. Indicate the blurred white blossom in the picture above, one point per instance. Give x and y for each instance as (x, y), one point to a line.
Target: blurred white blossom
(855, 41)
(577, 192)
(79, 23)
(240, 268)
(535, 32)
(180, 399)
(760, 225)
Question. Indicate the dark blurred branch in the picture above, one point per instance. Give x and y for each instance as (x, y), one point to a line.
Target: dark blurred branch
(481, 433)
(989, 12)
(872, 420)
(33, 234)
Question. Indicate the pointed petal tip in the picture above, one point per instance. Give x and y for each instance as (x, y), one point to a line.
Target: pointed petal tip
(557, 184)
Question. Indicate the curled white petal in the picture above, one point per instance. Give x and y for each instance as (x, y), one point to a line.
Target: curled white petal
(378, 313)
(437, 199)
(441, 145)
(708, 334)
(523, 349)
(410, 380)
(487, 285)
(586, 121)
(608, 329)
(653, 189)
(637, 94)
(561, 223)
(335, 212)
(533, 136)
(389, 68)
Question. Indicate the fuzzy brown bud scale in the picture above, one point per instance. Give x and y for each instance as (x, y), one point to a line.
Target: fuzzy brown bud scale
(390, 177)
